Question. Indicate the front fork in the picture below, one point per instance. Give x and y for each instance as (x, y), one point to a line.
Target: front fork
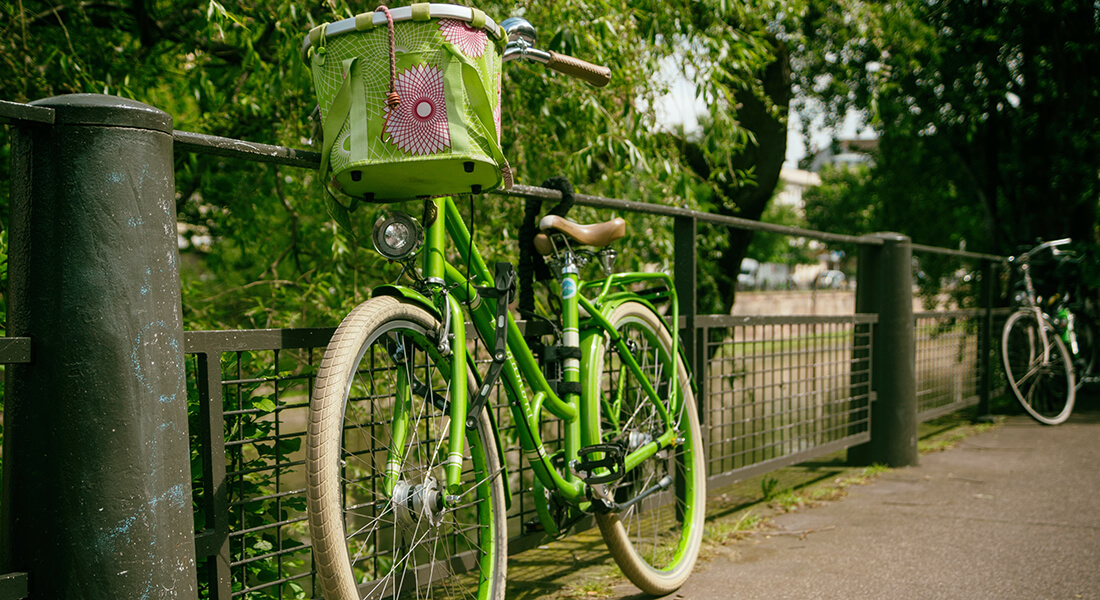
(458, 393)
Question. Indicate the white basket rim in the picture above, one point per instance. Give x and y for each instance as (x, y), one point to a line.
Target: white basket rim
(405, 13)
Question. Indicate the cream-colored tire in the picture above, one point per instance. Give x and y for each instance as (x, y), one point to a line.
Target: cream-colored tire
(655, 542)
(381, 522)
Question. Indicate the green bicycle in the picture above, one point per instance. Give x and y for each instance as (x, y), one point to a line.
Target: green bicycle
(406, 485)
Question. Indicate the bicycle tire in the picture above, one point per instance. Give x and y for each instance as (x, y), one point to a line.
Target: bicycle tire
(674, 517)
(1046, 390)
(370, 542)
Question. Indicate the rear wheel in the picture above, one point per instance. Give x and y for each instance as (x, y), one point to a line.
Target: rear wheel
(1086, 358)
(656, 541)
(382, 523)
(1040, 375)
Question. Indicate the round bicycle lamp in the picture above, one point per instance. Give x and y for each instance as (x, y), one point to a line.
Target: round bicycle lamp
(397, 236)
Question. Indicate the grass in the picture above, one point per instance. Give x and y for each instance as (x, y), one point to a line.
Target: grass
(793, 499)
(580, 568)
(721, 531)
(593, 588)
(951, 438)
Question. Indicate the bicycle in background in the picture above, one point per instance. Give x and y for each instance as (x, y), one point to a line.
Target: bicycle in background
(1049, 344)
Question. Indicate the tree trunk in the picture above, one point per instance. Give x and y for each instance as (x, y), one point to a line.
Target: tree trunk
(766, 158)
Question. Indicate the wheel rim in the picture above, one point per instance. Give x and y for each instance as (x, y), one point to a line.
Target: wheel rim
(659, 528)
(404, 540)
(1040, 377)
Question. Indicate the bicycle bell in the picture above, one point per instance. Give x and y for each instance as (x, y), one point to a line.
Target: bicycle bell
(520, 29)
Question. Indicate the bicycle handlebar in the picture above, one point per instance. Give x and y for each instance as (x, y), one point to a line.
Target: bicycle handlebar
(521, 40)
(596, 75)
(1053, 244)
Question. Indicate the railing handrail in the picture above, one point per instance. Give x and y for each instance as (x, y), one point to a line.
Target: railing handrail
(282, 155)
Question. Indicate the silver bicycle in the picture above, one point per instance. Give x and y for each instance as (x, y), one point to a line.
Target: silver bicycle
(1038, 346)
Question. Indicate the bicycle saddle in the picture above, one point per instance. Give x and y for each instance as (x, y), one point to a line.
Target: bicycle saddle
(596, 234)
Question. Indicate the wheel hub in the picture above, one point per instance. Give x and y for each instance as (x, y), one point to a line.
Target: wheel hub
(419, 504)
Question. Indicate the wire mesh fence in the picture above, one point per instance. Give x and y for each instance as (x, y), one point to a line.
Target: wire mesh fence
(947, 366)
(249, 397)
(778, 390)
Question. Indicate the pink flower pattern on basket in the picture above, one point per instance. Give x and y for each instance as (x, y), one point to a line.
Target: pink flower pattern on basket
(470, 40)
(419, 124)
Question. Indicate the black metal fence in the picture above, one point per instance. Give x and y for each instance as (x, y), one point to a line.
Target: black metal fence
(773, 391)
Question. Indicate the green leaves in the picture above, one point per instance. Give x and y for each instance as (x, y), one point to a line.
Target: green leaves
(264, 403)
(261, 250)
(975, 96)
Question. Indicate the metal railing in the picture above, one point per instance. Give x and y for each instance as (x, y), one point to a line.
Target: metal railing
(773, 390)
(778, 391)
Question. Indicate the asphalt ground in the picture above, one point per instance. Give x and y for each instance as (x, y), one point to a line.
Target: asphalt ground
(1010, 513)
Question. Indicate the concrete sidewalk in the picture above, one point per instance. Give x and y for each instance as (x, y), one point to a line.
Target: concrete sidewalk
(1013, 513)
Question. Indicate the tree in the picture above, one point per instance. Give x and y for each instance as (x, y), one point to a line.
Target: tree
(261, 249)
(984, 108)
(742, 178)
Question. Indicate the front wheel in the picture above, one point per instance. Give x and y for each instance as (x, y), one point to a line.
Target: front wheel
(656, 541)
(382, 522)
(1040, 375)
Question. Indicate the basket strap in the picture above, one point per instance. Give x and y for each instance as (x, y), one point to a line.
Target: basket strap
(460, 73)
(334, 121)
(362, 129)
(337, 114)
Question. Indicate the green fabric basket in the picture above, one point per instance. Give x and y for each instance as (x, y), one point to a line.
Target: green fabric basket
(444, 136)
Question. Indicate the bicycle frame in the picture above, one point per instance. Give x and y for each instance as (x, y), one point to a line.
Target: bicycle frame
(578, 412)
(1030, 299)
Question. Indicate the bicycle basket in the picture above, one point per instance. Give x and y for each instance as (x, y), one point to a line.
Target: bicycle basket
(442, 136)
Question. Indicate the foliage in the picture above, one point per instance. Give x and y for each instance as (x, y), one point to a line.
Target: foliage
(987, 111)
(847, 200)
(865, 198)
(780, 248)
(260, 249)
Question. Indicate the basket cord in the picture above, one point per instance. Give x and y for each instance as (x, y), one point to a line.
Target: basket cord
(393, 100)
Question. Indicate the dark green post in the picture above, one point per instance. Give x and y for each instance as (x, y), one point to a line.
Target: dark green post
(685, 280)
(97, 494)
(684, 267)
(885, 287)
(985, 342)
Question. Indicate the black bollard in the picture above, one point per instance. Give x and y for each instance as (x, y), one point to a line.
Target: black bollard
(885, 287)
(97, 493)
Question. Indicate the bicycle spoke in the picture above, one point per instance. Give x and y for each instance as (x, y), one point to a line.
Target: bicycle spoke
(401, 536)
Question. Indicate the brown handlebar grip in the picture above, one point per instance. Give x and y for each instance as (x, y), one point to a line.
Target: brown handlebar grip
(575, 67)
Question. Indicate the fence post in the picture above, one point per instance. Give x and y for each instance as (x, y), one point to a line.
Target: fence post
(97, 494)
(885, 286)
(985, 342)
(684, 270)
(684, 278)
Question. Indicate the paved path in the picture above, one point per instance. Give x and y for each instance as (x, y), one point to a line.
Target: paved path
(1013, 513)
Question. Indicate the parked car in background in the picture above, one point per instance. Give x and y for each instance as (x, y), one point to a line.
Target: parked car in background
(746, 277)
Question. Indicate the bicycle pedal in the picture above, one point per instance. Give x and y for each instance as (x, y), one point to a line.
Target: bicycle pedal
(614, 460)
